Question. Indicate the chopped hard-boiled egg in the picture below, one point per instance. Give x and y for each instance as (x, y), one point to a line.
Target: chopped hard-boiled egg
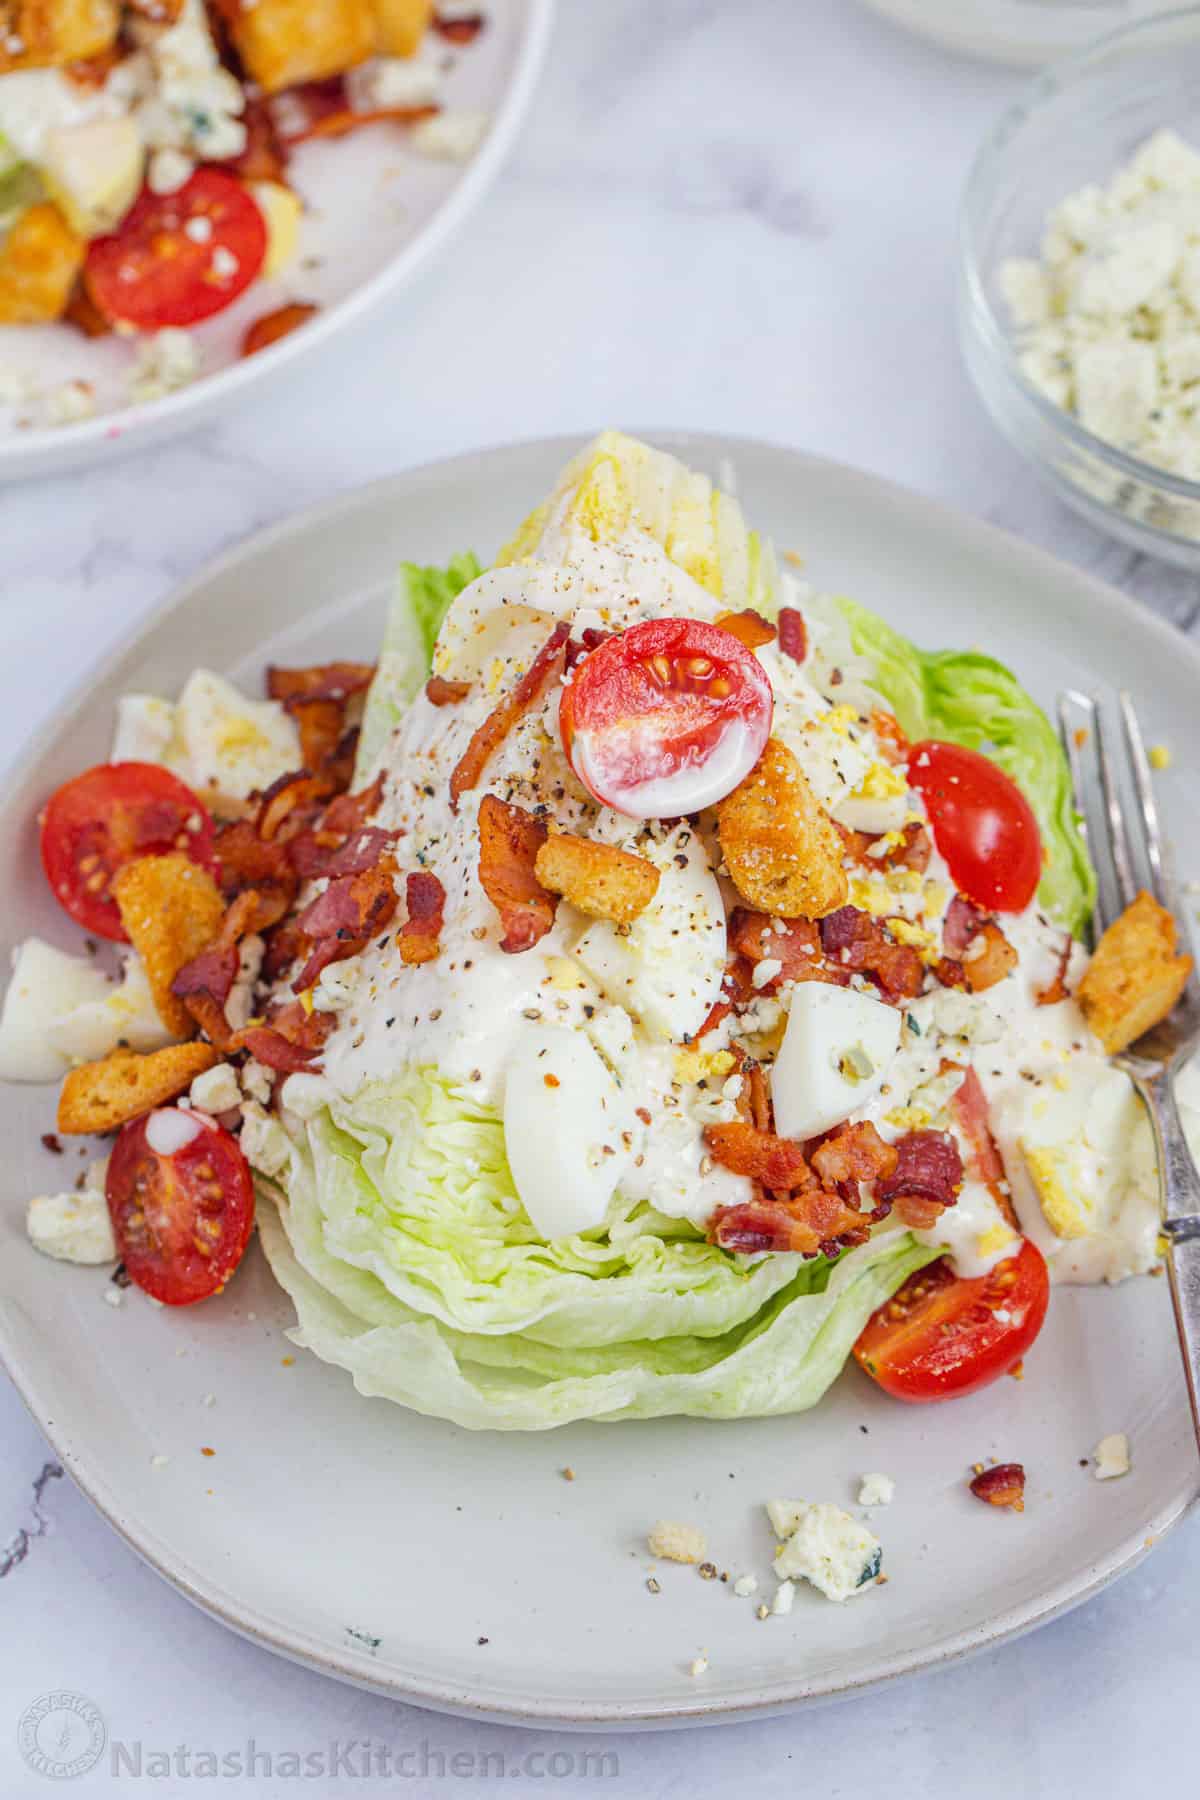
(666, 967)
(93, 171)
(568, 1130)
(834, 1058)
(878, 804)
(281, 210)
(216, 740)
(61, 1010)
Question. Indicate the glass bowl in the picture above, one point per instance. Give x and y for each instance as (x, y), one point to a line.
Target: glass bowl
(1077, 123)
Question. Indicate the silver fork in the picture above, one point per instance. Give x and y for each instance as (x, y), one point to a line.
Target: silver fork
(1110, 772)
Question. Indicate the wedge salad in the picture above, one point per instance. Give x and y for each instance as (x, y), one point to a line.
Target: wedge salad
(650, 984)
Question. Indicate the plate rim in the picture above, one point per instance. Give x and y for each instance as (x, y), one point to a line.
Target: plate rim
(358, 1668)
(56, 450)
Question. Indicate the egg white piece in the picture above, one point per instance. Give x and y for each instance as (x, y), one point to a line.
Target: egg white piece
(666, 968)
(47, 986)
(835, 1055)
(568, 1130)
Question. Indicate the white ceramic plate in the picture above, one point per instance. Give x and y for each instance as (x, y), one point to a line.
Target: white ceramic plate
(376, 212)
(383, 1547)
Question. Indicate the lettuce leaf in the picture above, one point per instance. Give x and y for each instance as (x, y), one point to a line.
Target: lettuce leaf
(971, 699)
(412, 1265)
(420, 603)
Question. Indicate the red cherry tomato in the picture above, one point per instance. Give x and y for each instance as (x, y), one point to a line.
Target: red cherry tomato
(182, 1217)
(982, 824)
(666, 718)
(101, 820)
(178, 258)
(940, 1336)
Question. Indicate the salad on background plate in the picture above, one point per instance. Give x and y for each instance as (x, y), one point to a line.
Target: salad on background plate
(647, 986)
(154, 169)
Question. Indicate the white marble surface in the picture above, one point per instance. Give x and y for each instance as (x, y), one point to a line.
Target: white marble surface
(732, 215)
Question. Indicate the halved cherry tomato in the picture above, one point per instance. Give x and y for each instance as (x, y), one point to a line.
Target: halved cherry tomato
(941, 1336)
(182, 1214)
(982, 824)
(101, 820)
(666, 718)
(178, 258)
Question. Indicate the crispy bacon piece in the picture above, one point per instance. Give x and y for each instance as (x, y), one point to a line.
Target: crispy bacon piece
(440, 692)
(245, 861)
(894, 746)
(82, 312)
(339, 768)
(815, 1223)
(859, 944)
(970, 1109)
(748, 627)
(855, 1153)
(264, 157)
(213, 972)
(793, 633)
(590, 638)
(776, 1163)
(280, 322)
(291, 804)
(459, 28)
(319, 723)
(420, 932)
(509, 840)
(546, 667)
(755, 1096)
(321, 109)
(321, 681)
(290, 1038)
(720, 1009)
(1057, 989)
(1003, 1485)
(204, 984)
(962, 923)
(343, 919)
(361, 850)
(925, 1178)
(284, 945)
(797, 947)
(913, 852)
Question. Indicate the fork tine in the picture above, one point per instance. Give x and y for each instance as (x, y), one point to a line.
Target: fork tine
(1118, 836)
(1151, 833)
(1077, 719)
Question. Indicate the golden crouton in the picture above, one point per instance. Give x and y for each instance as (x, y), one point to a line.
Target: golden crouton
(400, 25)
(782, 852)
(100, 1096)
(172, 910)
(39, 34)
(39, 261)
(284, 42)
(1135, 976)
(597, 878)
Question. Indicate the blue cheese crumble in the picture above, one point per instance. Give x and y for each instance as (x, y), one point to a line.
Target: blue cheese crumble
(824, 1546)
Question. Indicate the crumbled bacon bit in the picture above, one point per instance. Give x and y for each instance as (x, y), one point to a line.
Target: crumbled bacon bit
(280, 322)
(320, 681)
(289, 1040)
(321, 109)
(589, 639)
(509, 840)
(361, 850)
(51, 1143)
(546, 667)
(343, 919)
(854, 1153)
(264, 157)
(857, 943)
(793, 633)
(970, 1109)
(245, 861)
(426, 900)
(925, 1178)
(894, 746)
(748, 627)
(1002, 1485)
(745, 1149)
(459, 28)
(813, 1223)
(913, 851)
(293, 802)
(319, 723)
(440, 692)
(795, 944)
(1057, 989)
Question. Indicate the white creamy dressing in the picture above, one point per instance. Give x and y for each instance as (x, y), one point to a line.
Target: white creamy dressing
(465, 1011)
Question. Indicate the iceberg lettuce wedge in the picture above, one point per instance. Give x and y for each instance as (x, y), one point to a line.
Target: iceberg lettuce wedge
(418, 606)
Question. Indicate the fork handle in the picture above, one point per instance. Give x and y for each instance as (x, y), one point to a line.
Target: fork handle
(1179, 1185)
